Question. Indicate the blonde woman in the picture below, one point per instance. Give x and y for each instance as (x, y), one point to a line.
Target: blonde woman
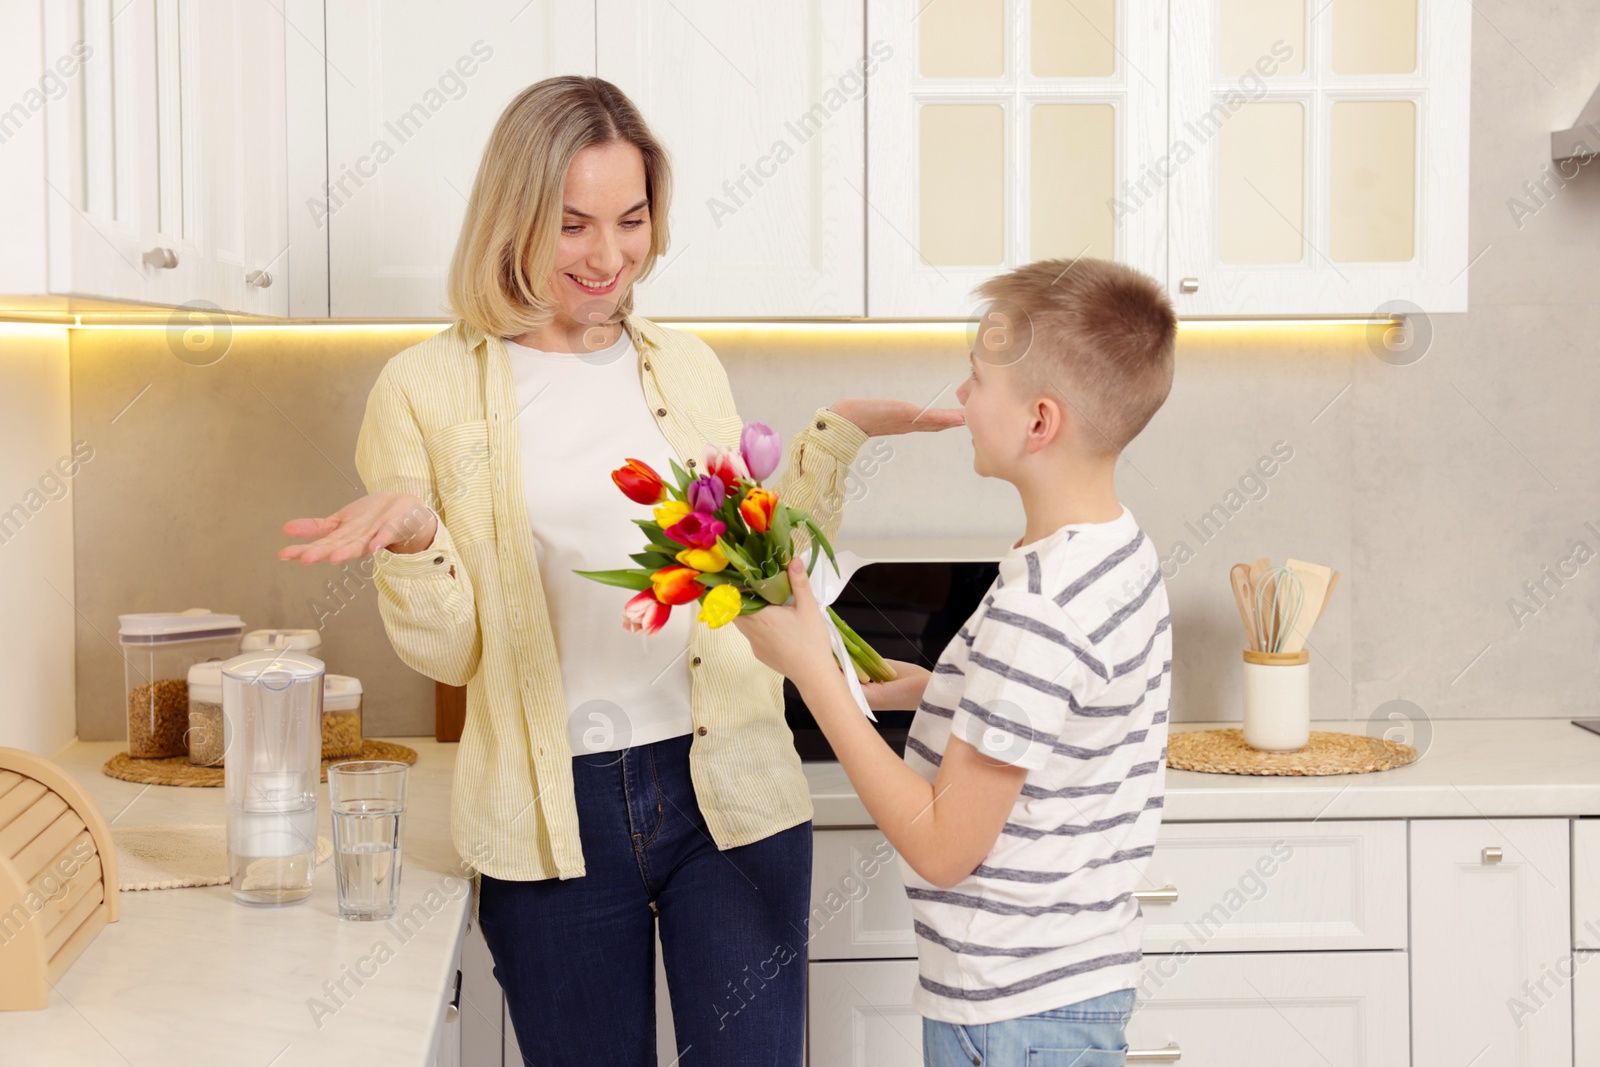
(607, 780)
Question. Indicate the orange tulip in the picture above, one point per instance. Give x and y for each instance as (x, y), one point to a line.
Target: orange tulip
(676, 585)
(757, 508)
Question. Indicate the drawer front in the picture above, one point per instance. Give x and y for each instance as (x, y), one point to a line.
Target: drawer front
(1273, 1008)
(859, 908)
(1209, 887)
(1243, 1010)
(1586, 884)
(1280, 886)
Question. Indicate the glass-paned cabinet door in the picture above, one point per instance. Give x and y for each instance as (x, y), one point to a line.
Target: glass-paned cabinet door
(1000, 132)
(1317, 156)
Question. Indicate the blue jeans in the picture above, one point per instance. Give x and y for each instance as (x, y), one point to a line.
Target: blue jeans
(576, 956)
(1087, 1034)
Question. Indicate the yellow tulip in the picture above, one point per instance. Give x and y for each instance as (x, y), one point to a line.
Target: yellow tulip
(721, 606)
(669, 512)
(705, 560)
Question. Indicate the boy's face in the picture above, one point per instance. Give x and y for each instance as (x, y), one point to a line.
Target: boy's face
(995, 415)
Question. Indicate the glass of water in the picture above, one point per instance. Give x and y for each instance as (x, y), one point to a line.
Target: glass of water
(368, 801)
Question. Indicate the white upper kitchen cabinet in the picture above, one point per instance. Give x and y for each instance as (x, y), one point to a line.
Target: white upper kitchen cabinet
(413, 90)
(153, 168)
(760, 108)
(1006, 131)
(1317, 161)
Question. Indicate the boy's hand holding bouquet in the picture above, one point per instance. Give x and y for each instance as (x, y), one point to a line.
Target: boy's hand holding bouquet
(724, 540)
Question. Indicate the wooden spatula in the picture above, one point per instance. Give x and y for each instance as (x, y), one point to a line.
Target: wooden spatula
(1239, 576)
(1314, 578)
(1333, 581)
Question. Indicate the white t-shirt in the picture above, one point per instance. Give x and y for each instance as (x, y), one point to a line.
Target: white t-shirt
(580, 417)
(1064, 669)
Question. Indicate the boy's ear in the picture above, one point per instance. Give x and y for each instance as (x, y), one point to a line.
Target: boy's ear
(1049, 419)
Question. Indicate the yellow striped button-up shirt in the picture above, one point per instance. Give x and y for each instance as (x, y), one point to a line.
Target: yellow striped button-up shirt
(441, 424)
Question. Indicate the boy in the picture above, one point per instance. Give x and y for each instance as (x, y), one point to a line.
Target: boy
(1027, 804)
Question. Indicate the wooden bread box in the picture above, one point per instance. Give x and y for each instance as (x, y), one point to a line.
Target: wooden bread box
(58, 877)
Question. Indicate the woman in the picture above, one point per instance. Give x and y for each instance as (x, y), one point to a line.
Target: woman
(606, 779)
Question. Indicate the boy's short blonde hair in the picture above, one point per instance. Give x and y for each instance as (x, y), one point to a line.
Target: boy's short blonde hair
(1099, 335)
(500, 274)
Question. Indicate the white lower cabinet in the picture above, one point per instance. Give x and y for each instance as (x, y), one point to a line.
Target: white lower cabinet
(1232, 1009)
(1268, 1009)
(1491, 937)
(1586, 1009)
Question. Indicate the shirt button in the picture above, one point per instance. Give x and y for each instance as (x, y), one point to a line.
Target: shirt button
(821, 425)
(438, 559)
(647, 366)
(661, 411)
(695, 662)
(701, 731)
(691, 463)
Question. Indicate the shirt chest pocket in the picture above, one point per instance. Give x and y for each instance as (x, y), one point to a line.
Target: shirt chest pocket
(461, 474)
(720, 430)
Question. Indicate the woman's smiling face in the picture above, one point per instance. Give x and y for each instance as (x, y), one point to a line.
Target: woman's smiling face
(605, 231)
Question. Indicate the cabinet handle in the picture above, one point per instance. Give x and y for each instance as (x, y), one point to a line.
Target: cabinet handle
(161, 258)
(259, 278)
(452, 1010)
(1493, 854)
(1156, 1055)
(1165, 895)
(1189, 285)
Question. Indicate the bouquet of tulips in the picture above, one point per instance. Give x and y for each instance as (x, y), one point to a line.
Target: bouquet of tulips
(721, 539)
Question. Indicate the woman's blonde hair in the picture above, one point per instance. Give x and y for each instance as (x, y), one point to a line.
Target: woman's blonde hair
(500, 273)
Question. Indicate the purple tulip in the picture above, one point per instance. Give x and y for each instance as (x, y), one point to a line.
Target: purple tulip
(762, 449)
(707, 493)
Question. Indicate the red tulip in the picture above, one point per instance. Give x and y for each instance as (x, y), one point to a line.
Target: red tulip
(645, 613)
(726, 464)
(638, 482)
(757, 508)
(676, 585)
(696, 529)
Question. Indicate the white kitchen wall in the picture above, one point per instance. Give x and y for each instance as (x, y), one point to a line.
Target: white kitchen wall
(37, 687)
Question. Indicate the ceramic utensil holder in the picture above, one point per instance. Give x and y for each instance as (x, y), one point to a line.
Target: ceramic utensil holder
(1277, 700)
(58, 877)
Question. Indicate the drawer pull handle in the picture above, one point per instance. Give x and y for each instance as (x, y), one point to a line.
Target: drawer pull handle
(1156, 1055)
(1166, 895)
(1493, 854)
(259, 278)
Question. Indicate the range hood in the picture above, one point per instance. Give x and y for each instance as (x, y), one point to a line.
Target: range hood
(1582, 142)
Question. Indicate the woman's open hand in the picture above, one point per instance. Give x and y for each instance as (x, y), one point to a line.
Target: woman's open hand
(882, 418)
(397, 521)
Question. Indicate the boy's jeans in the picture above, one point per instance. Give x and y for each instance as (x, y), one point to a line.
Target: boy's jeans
(1086, 1034)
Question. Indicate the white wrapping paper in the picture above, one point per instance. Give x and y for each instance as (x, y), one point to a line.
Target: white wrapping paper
(826, 584)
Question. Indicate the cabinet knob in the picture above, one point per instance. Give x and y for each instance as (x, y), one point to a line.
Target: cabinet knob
(161, 258)
(1493, 854)
(1164, 895)
(1156, 1055)
(1189, 285)
(258, 278)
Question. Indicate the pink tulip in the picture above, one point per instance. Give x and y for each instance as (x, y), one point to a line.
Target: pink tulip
(645, 613)
(762, 449)
(707, 493)
(696, 529)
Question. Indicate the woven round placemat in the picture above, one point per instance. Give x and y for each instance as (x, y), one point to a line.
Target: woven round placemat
(177, 770)
(1225, 752)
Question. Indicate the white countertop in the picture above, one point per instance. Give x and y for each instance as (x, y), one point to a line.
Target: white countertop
(1469, 768)
(186, 976)
(189, 977)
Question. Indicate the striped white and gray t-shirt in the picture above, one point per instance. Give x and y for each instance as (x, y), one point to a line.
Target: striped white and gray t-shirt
(1065, 669)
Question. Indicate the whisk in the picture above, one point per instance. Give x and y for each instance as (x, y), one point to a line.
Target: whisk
(1280, 597)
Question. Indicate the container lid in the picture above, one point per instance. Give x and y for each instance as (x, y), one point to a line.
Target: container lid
(295, 639)
(340, 692)
(205, 682)
(248, 666)
(196, 624)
